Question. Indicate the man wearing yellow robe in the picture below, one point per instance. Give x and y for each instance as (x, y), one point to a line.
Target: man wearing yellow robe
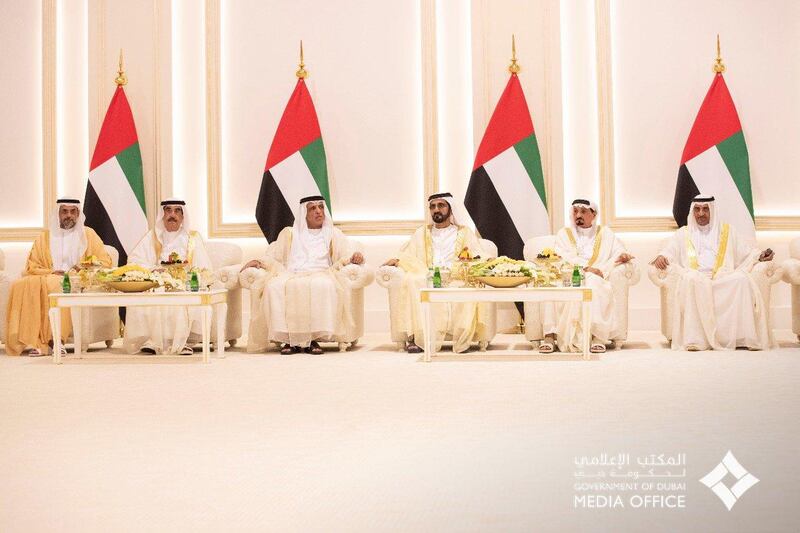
(438, 244)
(58, 249)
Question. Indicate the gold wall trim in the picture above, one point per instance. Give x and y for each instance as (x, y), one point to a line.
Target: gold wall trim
(218, 228)
(605, 107)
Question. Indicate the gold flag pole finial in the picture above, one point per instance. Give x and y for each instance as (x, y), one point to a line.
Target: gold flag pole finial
(121, 78)
(301, 73)
(719, 66)
(514, 68)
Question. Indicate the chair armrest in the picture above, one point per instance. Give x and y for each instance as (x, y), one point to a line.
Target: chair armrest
(791, 271)
(249, 276)
(660, 278)
(769, 270)
(388, 276)
(629, 273)
(228, 276)
(357, 276)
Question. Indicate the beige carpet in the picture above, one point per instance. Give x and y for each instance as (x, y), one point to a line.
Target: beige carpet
(374, 441)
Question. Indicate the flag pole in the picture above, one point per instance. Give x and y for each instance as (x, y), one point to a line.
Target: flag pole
(719, 66)
(301, 73)
(514, 68)
(121, 78)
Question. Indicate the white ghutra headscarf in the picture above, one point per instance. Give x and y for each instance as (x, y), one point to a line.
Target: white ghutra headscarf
(67, 245)
(173, 241)
(307, 244)
(705, 239)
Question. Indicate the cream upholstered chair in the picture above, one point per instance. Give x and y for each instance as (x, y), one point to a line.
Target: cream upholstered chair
(791, 275)
(622, 278)
(356, 277)
(765, 274)
(99, 324)
(226, 261)
(391, 278)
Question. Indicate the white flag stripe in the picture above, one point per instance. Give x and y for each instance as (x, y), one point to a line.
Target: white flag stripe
(711, 176)
(294, 179)
(518, 194)
(119, 201)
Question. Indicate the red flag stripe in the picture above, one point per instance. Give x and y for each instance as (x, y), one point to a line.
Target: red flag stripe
(510, 123)
(118, 131)
(716, 121)
(298, 126)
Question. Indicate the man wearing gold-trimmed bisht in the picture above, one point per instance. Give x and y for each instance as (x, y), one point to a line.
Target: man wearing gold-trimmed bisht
(303, 300)
(57, 250)
(168, 330)
(438, 244)
(598, 250)
(717, 304)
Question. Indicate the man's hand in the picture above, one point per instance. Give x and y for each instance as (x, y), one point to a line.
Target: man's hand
(767, 255)
(255, 263)
(357, 258)
(58, 272)
(661, 262)
(623, 258)
(594, 271)
(392, 263)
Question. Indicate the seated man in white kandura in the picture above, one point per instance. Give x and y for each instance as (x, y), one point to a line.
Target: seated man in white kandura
(598, 251)
(717, 304)
(438, 244)
(303, 299)
(167, 330)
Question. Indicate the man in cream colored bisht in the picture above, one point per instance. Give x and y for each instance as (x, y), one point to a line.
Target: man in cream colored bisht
(717, 303)
(167, 330)
(57, 250)
(438, 244)
(303, 299)
(598, 250)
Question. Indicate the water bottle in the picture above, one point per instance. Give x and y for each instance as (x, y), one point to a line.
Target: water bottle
(429, 279)
(194, 284)
(437, 279)
(66, 286)
(576, 276)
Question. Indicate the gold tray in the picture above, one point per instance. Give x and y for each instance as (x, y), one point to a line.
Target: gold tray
(131, 286)
(503, 282)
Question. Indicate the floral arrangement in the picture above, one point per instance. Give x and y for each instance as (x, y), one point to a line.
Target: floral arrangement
(502, 267)
(163, 278)
(548, 254)
(173, 259)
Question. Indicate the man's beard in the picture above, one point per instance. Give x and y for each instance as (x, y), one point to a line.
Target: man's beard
(439, 217)
(67, 224)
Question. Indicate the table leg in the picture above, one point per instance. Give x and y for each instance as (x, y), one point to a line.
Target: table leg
(222, 313)
(206, 329)
(427, 345)
(77, 330)
(55, 325)
(586, 323)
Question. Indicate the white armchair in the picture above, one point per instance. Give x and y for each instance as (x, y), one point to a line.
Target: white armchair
(226, 261)
(622, 278)
(357, 277)
(765, 274)
(5, 287)
(791, 275)
(391, 278)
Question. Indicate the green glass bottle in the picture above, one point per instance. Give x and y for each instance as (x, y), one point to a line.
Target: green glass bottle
(576, 276)
(66, 285)
(437, 278)
(194, 283)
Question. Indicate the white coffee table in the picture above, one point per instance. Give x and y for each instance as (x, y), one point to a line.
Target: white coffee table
(430, 296)
(207, 301)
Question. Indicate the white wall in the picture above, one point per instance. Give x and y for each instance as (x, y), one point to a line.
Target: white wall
(371, 74)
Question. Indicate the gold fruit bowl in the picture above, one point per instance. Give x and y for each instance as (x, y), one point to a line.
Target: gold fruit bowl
(503, 282)
(131, 286)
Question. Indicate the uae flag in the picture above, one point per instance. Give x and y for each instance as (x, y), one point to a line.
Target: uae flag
(114, 204)
(296, 165)
(715, 162)
(506, 196)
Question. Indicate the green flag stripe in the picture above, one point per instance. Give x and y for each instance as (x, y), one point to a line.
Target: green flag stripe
(314, 156)
(528, 152)
(130, 159)
(734, 153)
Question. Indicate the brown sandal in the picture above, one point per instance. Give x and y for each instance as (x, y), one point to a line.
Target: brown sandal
(413, 348)
(287, 350)
(314, 348)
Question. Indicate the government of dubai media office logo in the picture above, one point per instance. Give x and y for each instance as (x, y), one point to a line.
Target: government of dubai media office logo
(744, 480)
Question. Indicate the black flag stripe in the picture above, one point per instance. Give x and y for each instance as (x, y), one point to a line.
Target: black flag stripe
(97, 218)
(685, 191)
(491, 216)
(273, 213)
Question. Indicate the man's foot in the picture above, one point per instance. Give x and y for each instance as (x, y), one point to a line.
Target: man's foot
(693, 348)
(314, 348)
(36, 352)
(286, 349)
(547, 345)
(411, 347)
(186, 350)
(597, 347)
(148, 348)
